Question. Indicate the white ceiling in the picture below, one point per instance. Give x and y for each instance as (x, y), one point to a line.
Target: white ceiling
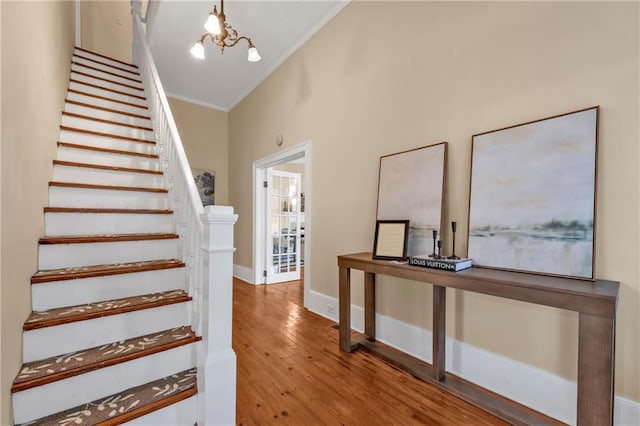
(277, 29)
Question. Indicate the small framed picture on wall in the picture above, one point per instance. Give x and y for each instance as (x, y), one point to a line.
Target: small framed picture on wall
(206, 183)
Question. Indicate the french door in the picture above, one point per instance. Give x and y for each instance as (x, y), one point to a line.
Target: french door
(283, 226)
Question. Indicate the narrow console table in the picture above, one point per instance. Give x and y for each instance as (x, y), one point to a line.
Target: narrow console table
(595, 301)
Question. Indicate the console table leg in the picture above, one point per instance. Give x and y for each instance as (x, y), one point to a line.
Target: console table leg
(370, 306)
(345, 308)
(596, 358)
(439, 331)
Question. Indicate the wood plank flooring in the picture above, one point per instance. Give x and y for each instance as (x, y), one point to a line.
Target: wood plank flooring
(291, 371)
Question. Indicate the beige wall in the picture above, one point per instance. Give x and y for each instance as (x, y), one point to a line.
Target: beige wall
(204, 134)
(35, 73)
(454, 70)
(107, 27)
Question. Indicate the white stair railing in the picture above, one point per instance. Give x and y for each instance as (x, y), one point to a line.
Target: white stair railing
(205, 245)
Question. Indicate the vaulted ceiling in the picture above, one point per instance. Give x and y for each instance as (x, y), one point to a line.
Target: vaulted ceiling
(277, 29)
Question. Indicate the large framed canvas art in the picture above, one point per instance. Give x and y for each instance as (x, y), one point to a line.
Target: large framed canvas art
(532, 196)
(411, 186)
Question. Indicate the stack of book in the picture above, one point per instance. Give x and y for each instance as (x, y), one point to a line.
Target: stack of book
(427, 261)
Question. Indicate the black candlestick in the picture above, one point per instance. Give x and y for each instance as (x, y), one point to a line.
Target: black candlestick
(453, 251)
(435, 236)
(437, 256)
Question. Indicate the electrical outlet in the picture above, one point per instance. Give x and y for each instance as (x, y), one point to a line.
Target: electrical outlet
(331, 309)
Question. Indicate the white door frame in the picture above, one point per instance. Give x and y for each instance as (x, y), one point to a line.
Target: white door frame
(279, 277)
(78, 22)
(300, 150)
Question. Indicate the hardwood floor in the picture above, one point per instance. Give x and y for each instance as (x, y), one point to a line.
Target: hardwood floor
(290, 370)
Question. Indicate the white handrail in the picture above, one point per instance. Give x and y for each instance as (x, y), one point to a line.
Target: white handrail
(183, 194)
(205, 245)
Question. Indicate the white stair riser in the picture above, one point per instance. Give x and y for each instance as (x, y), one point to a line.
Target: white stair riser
(112, 129)
(54, 256)
(107, 104)
(106, 158)
(108, 83)
(106, 177)
(106, 93)
(61, 339)
(109, 75)
(114, 67)
(57, 294)
(107, 115)
(107, 223)
(106, 142)
(182, 413)
(34, 403)
(106, 198)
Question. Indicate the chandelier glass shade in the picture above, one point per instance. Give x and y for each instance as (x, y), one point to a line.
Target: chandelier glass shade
(222, 35)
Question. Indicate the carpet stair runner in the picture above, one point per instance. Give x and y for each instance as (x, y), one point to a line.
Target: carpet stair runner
(109, 340)
(128, 404)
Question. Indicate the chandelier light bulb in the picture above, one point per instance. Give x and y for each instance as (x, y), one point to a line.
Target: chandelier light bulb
(253, 55)
(198, 50)
(212, 25)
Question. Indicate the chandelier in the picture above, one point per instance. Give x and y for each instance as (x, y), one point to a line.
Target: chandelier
(223, 35)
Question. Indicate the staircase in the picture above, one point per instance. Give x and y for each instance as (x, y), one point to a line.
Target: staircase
(109, 340)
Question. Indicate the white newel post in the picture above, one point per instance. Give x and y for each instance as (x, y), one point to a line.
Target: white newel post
(217, 363)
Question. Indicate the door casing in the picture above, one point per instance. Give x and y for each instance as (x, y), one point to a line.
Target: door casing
(301, 150)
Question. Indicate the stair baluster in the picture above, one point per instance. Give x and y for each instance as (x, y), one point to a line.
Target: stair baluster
(202, 233)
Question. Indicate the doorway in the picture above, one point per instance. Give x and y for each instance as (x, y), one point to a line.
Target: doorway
(263, 230)
(284, 223)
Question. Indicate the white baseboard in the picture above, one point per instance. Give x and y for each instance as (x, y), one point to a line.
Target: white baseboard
(243, 273)
(626, 412)
(545, 392)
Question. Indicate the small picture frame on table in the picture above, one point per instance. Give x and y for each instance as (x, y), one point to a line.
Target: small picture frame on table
(390, 241)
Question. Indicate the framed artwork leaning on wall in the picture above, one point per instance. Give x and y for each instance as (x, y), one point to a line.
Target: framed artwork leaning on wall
(532, 196)
(411, 186)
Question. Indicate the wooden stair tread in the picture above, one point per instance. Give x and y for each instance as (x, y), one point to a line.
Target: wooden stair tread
(104, 210)
(97, 86)
(102, 120)
(104, 167)
(107, 80)
(108, 135)
(82, 49)
(136, 73)
(115, 111)
(108, 187)
(107, 150)
(89, 311)
(52, 275)
(60, 367)
(105, 72)
(84, 239)
(104, 98)
(128, 404)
